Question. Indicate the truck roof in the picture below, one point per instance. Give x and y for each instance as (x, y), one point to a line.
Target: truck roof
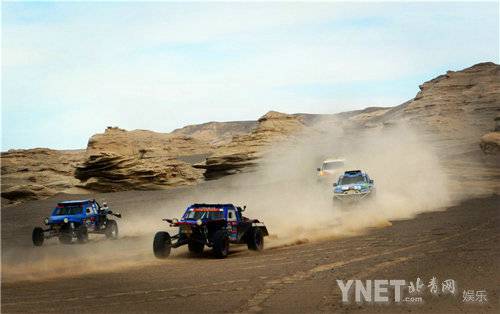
(74, 202)
(353, 173)
(211, 205)
(334, 160)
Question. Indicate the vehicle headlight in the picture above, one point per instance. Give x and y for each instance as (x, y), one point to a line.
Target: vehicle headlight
(345, 188)
(199, 222)
(357, 187)
(66, 220)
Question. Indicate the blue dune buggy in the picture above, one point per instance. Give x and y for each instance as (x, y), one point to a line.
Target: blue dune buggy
(76, 219)
(353, 185)
(214, 226)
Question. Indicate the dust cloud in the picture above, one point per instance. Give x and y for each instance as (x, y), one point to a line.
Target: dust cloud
(284, 191)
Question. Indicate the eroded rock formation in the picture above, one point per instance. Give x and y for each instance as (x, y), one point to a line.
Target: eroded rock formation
(217, 133)
(244, 151)
(142, 160)
(37, 173)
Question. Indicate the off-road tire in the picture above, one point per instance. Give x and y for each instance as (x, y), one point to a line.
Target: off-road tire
(37, 236)
(221, 244)
(82, 234)
(65, 238)
(196, 248)
(162, 244)
(111, 230)
(255, 239)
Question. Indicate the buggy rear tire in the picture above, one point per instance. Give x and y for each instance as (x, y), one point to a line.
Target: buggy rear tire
(37, 236)
(162, 244)
(196, 248)
(255, 240)
(82, 234)
(111, 230)
(221, 244)
(65, 238)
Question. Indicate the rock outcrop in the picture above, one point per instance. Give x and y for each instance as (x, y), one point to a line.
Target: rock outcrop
(144, 143)
(217, 133)
(490, 143)
(139, 160)
(457, 105)
(38, 173)
(244, 150)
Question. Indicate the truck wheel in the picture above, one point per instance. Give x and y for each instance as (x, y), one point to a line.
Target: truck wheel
(111, 230)
(162, 244)
(196, 248)
(221, 244)
(37, 236)
(255, 240)
(65, 238)
(82, 234)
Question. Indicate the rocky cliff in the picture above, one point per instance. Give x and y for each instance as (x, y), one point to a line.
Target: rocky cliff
(244, 150)
(458, 105)
(139, 160)
(217, 133)
(37, 173)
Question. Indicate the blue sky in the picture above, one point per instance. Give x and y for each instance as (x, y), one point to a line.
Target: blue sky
(70, 69)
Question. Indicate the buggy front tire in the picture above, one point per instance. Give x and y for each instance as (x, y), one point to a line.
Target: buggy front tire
(255, 240)
(111, 230)
(162, 244)
(37, 236)
(221, 244)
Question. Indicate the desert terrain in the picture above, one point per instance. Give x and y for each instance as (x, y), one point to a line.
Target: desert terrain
(296, 275)
(434, 159)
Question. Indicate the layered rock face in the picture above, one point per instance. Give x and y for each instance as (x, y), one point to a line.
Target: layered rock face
(244, 150)
(139, 160)
(217, 133)
(38, 173)
(140, 143)
(457, 105)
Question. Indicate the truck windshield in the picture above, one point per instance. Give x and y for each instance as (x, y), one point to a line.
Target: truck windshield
(200, 214)
(352, 180)
(68, 210)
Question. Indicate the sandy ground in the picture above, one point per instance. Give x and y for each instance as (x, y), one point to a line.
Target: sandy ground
(461, 243)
